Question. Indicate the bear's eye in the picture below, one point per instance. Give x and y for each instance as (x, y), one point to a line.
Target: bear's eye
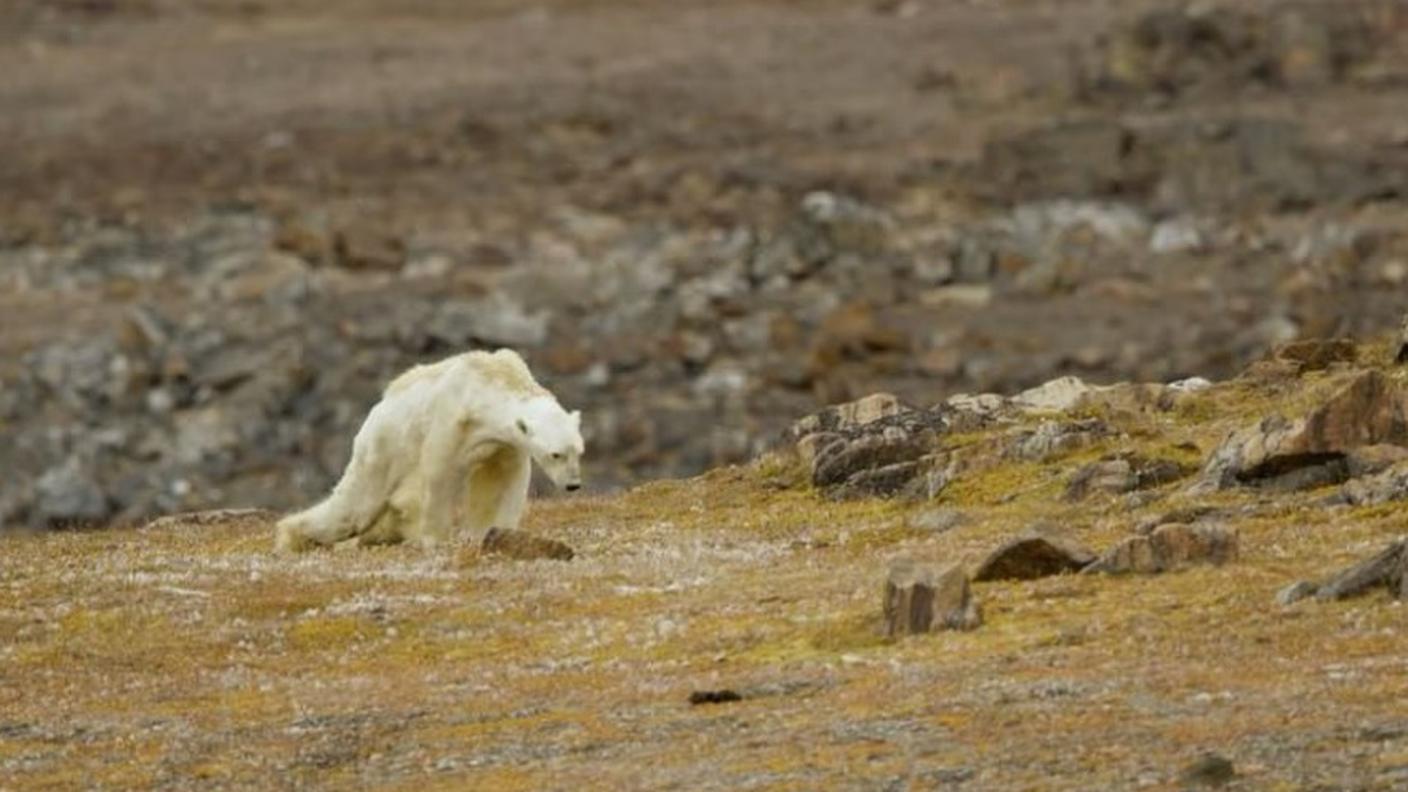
(558, 456)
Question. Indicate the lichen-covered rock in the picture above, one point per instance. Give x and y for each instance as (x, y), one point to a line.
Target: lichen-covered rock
(1033, 555)
(1312, 451)
(874, 447)
(846, 417)
(1054, 438)
(1169, 547)
(1122, 473)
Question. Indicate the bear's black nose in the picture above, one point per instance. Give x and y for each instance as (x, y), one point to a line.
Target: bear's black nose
(573, 487)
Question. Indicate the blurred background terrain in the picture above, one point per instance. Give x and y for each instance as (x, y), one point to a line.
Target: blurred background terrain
(225, 224)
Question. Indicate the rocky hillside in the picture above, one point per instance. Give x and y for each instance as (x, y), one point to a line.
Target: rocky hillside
(1072, 587)
(202, 292)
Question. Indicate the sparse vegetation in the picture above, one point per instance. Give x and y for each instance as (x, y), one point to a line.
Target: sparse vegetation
(149, 657)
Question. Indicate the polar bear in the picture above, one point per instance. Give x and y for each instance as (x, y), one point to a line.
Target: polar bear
(449, 446)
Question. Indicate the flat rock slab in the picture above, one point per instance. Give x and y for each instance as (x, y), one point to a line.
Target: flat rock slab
(922, 598)
(1389, 569)
(206, 519)
(1032, 556)
(1170, 547)
(524, 546)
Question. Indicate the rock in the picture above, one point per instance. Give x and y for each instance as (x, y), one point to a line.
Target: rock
(1402, 356)
(1296, 592)
(1058, 395)
(230, 366)
(1123, 473)
(1315, 354)
(852, 331)
(360, 247)
(1181, 165)
(1190, 385)
(1209, 770)
(972, 296)
(1033, 555)
(1389, 485)
(1054, 438)
(844, 459)
(307, 239)
(849, 416)
(830, 224)
(723, 696)
(1083, 158)
(68, 495)
(1176, 51)
(493, 321)
(1178, 235)
(1313, 450)
(1185, 515)
(1389, 568)
(206, 519)
(920, 598)
(938, 520)
(873, 456)
(523, 546)
(969, 412)
(905, 480)
(1169, 547)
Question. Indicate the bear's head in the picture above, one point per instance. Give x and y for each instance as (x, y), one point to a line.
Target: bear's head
(553, 438)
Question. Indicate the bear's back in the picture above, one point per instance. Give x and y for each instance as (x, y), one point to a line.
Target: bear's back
(505, 370)
(502, 369)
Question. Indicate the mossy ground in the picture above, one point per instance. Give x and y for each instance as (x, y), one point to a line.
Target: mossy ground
(193, 656)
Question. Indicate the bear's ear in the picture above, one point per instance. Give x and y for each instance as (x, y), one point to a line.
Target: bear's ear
(576, 417)
(522, 426)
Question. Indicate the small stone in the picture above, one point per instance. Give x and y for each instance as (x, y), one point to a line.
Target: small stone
(524, 546)
(921, 598)
(1190, 385)
(1301, 589)
(364, 248)
(1177, 235)
(724, 696)
(1033, 555)
(1209, 770)
(938, 520)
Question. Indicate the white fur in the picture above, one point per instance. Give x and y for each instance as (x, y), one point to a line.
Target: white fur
(449, 447)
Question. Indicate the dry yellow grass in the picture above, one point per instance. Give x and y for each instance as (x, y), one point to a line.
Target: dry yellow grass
(191, 656)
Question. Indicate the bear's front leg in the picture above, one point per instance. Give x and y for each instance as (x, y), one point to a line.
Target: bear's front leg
(445, 465)
(497, 494)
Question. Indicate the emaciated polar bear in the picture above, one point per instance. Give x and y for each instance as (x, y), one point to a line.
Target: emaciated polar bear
(451, 444)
